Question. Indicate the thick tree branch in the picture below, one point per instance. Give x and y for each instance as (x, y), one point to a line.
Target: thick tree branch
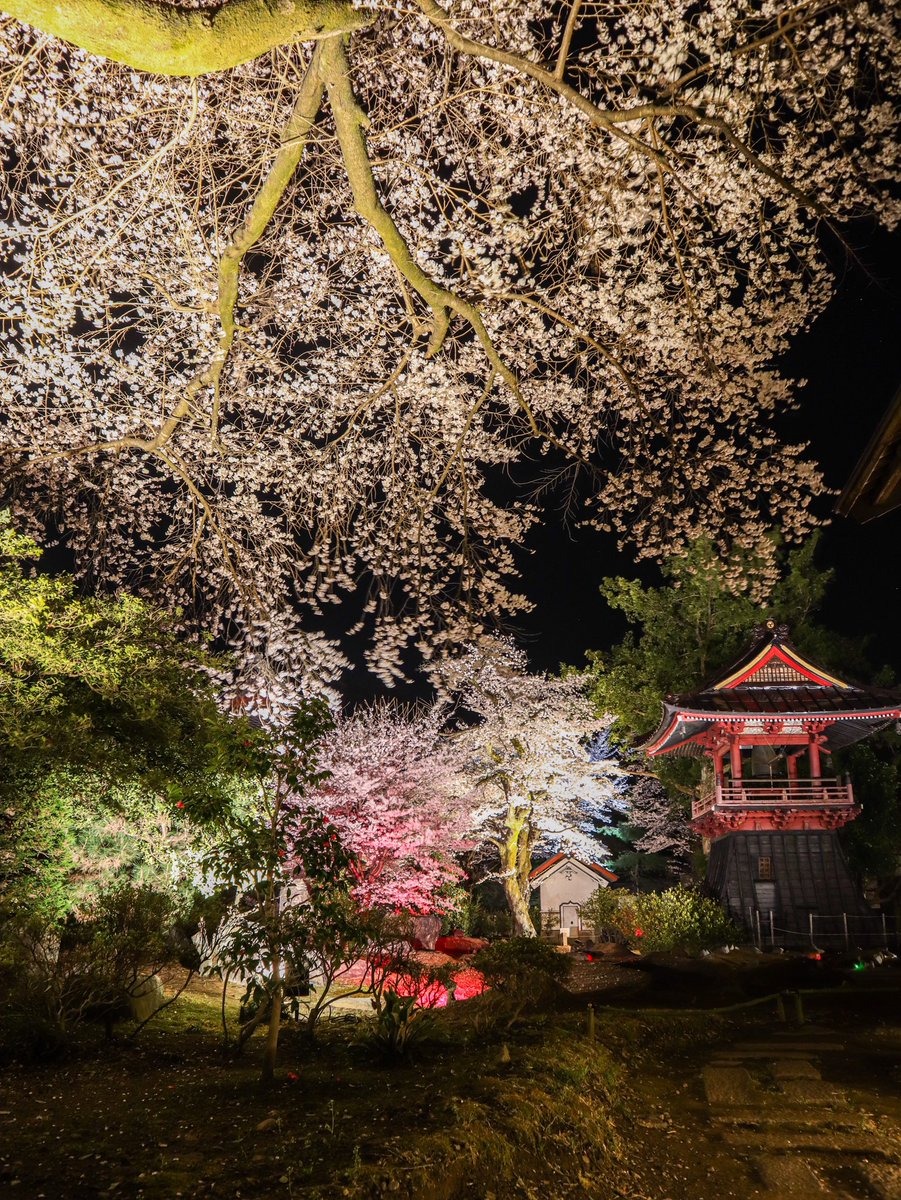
(571, 22)
(611, 118)
(350, 123)
(165, 39)
(294, 140)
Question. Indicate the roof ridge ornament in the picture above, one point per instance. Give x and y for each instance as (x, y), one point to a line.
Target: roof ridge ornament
(769, 630)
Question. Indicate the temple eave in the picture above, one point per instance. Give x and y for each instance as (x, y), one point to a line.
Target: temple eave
(716, 823)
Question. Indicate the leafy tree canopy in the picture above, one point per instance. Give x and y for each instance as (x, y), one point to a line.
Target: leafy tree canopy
(104, 715)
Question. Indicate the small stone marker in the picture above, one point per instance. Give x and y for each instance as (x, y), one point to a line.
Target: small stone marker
(730, 1085)
(147, 998)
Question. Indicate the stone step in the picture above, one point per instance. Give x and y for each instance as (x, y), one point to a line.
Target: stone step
(821, 1141)
(812, 1091)
(801, 1068)
(883, 1178)
(777, 1116)
(791, 1178)
(730, 1085)
(807, 1049)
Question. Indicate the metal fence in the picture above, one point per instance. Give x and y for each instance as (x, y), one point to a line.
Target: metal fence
(826, 931)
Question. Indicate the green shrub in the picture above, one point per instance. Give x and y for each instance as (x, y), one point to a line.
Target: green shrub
(64, 974)
(521, 973)
(601, 912)
(680, 918)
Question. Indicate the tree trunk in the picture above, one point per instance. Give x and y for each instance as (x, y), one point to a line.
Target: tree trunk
(516, 863)
(270, 1050)
(175, 39)
(519, 909)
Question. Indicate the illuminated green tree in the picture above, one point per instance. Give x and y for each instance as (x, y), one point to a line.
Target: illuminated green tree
(111, 741)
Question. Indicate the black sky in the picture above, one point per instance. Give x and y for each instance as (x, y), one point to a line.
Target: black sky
(851, 360)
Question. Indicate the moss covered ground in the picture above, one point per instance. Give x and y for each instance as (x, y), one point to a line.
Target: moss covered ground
(477, 1110)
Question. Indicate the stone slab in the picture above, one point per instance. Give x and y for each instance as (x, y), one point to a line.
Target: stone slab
(820, 1141)
(730, 1085)
(883, 1178)
(811, 1091)
(792, 1178)
(777, 1116)
(808, 1049)
(800, 1068)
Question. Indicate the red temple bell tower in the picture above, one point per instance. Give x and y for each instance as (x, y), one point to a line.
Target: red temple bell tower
(772, 806)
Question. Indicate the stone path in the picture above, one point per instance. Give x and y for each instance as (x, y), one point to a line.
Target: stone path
(802, 1137)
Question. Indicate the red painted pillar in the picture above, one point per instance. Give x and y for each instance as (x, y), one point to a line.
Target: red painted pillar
(735, 758)
(815, 771)
(793, 766)
(718, 766)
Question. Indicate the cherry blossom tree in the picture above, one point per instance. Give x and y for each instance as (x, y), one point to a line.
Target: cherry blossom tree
(288, 284)
(533, 758)
(653, 837)
(396, 794)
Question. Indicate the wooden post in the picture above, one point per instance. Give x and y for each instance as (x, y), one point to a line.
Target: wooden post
(735, 761)
(810, 920)
(793, 767)
(815, 769)
(591, 1022)
(772, 930)
(885, 933)
(780, 1009)
(759, 937)
(718, 767)
(845, 923)
(799, 1008)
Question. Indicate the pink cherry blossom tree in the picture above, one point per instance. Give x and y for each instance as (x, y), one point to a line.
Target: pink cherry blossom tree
(400, 801)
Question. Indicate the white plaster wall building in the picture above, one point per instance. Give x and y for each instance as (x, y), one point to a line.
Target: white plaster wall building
(563, 884)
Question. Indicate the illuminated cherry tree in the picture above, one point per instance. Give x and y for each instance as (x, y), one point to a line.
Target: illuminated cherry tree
(661, 825)
(398, 798)
(287, 285)
(533, 758)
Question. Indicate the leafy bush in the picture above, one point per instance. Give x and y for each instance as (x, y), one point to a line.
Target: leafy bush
(64, 975)
(601, 912)
(521, 973)
(680, 918)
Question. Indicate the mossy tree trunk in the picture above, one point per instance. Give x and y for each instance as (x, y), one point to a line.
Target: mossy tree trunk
(168, 39)
(516, 864)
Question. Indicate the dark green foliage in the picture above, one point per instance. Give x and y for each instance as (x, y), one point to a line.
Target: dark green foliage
(60, 976)
(680, 918)
(873, 840)
(523, 973)
(698, 623)
(395, 1026)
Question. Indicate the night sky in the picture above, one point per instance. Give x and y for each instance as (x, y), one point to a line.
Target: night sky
(852, 360)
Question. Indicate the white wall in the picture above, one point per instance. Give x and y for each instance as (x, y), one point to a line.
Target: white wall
(567, 883)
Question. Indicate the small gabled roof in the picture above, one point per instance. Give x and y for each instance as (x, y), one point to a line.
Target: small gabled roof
(775, 662)
(542, 868)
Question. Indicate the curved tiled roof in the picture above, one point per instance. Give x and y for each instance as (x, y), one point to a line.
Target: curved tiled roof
(773, 681)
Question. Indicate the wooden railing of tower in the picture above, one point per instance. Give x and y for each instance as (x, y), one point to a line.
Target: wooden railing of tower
(755, 794)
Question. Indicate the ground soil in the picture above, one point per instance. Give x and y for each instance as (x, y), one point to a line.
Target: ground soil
(664, 1103)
